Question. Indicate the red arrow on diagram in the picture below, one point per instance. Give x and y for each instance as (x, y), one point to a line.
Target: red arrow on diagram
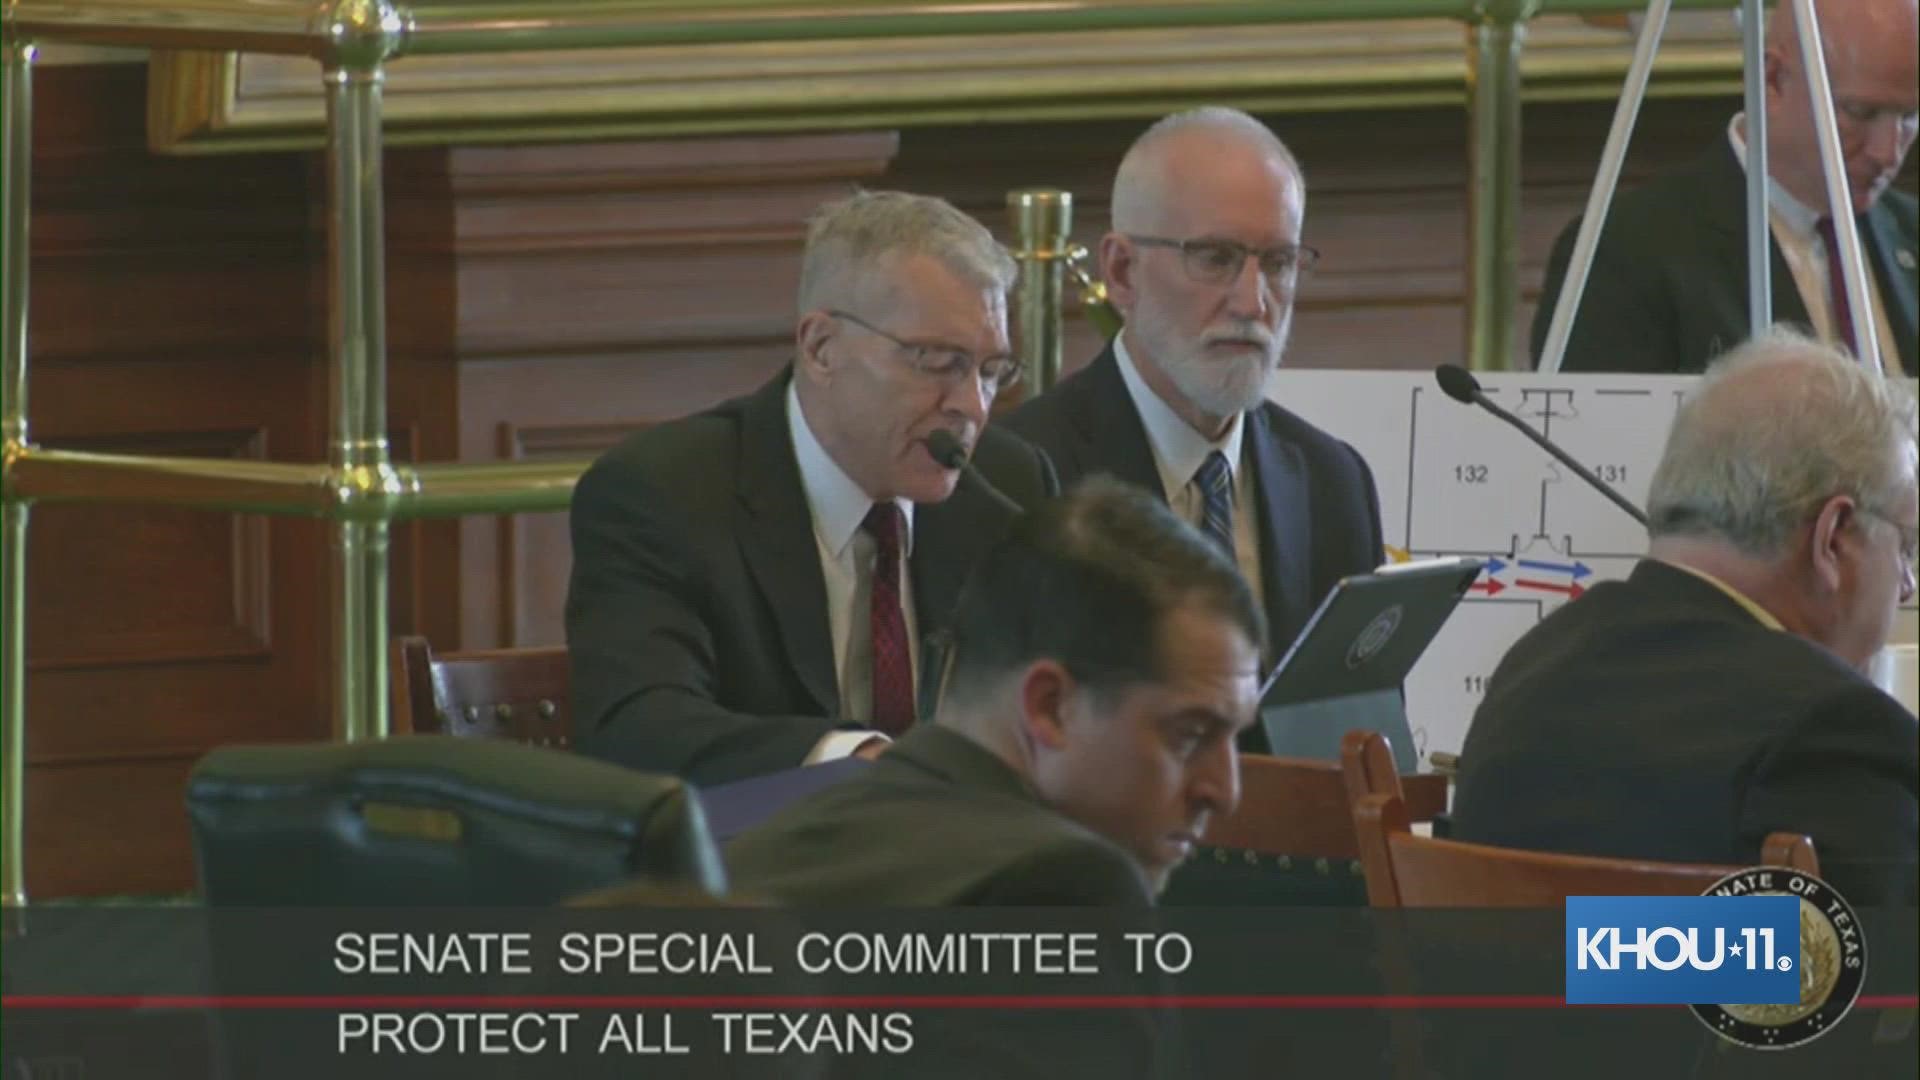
(1573, 590)
(1490, 586)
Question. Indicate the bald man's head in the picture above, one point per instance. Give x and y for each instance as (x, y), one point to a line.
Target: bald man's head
(1872, 51)
(1175, 148)
(1203, 260)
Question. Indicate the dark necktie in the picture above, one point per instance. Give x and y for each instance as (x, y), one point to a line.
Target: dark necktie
(892, 662)
(1216, 500)
(1837, 286)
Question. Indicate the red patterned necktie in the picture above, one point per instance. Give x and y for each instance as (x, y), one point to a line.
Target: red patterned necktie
(1837, 286)
(892, 662)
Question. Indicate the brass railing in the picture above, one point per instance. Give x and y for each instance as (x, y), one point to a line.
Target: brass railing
(360, 489)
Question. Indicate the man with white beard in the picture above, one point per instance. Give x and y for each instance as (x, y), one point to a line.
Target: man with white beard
(1203, 261)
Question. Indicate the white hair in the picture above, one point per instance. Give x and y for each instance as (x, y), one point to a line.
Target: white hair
(848, 238)
(1774, 429)
(1137, 192)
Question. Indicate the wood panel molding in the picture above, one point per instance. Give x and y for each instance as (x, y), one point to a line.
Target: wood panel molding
(119, 613)
(214, 101)
(633, 248)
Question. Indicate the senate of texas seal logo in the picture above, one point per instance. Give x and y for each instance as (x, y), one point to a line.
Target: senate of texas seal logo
(1832, 963)
(1374, 636)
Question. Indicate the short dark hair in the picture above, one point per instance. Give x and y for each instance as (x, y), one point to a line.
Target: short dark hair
(1086, 580)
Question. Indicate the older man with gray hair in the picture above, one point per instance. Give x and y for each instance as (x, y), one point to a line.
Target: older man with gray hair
(1717, 694)
(1205, 259)
(751, 585)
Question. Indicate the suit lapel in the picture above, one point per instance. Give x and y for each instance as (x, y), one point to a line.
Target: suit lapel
(776, 536)
(1286, 543)
(1728, 215)
(1107, 428)
(1897, 279)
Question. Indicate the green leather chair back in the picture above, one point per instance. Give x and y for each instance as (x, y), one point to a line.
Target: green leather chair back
(436, 821)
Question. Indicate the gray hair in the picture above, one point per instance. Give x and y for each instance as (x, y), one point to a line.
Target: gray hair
(1775, 428)
(846, 238)
(1136, 183)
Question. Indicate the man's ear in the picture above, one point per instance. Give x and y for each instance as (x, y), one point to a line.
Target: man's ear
(1119, 260)
(1776, 71)
(810, 337)
(1046, 693)
(1827, 541)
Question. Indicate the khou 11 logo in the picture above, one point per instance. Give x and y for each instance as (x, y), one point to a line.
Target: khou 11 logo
(1683, 950)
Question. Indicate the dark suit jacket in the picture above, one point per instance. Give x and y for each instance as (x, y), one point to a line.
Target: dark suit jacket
(1668, 290)
(697, 612)
(937, 821)
(1654, 717)
(1319, 516)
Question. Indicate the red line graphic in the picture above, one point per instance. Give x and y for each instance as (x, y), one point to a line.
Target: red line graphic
(1573, 590)
(101, 1002)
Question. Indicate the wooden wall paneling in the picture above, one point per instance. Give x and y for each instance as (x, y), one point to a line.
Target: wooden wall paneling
(154, 594)
(422, 382)
(173, 313)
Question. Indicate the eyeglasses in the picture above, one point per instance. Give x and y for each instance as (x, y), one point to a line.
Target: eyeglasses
(1909, 540)
(948, 363)
(1218, 262)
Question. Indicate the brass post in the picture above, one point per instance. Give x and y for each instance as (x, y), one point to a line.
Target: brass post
(358, 453)
(367, 32)
(1042, 224)
(1497, 29)
(18, 149)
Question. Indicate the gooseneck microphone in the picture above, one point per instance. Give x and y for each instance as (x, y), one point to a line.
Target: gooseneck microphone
(1459, 384)
(945, 447)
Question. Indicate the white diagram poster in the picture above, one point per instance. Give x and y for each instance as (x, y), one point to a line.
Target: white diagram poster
(1454, 480)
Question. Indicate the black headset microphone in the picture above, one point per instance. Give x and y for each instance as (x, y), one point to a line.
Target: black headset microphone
(1459, 384)
(946, 449)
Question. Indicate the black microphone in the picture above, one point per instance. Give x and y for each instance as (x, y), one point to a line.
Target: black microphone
(1459, 384)
(945, 447)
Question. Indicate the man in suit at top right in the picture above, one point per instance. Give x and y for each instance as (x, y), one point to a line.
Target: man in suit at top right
(1668, 290)
(1204, 260)
(1717, 694)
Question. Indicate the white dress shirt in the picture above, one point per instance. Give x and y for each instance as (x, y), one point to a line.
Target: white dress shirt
(1179, 451)
(847, 552)
(1796, 231)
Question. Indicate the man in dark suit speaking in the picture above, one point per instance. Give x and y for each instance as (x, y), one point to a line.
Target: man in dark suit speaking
(1204, 259)
(1105, 656)
(1668, 290)
(751, 585)
(1717, 694)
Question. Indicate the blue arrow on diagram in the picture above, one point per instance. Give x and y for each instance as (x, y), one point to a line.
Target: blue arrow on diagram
(1578, 570)
(1494, 566)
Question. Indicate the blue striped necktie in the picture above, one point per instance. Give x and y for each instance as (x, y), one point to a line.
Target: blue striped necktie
(1215, 481)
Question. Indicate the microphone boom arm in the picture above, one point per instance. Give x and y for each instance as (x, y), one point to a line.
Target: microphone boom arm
(1459, 384)
(946, 449)
(1563, 458)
